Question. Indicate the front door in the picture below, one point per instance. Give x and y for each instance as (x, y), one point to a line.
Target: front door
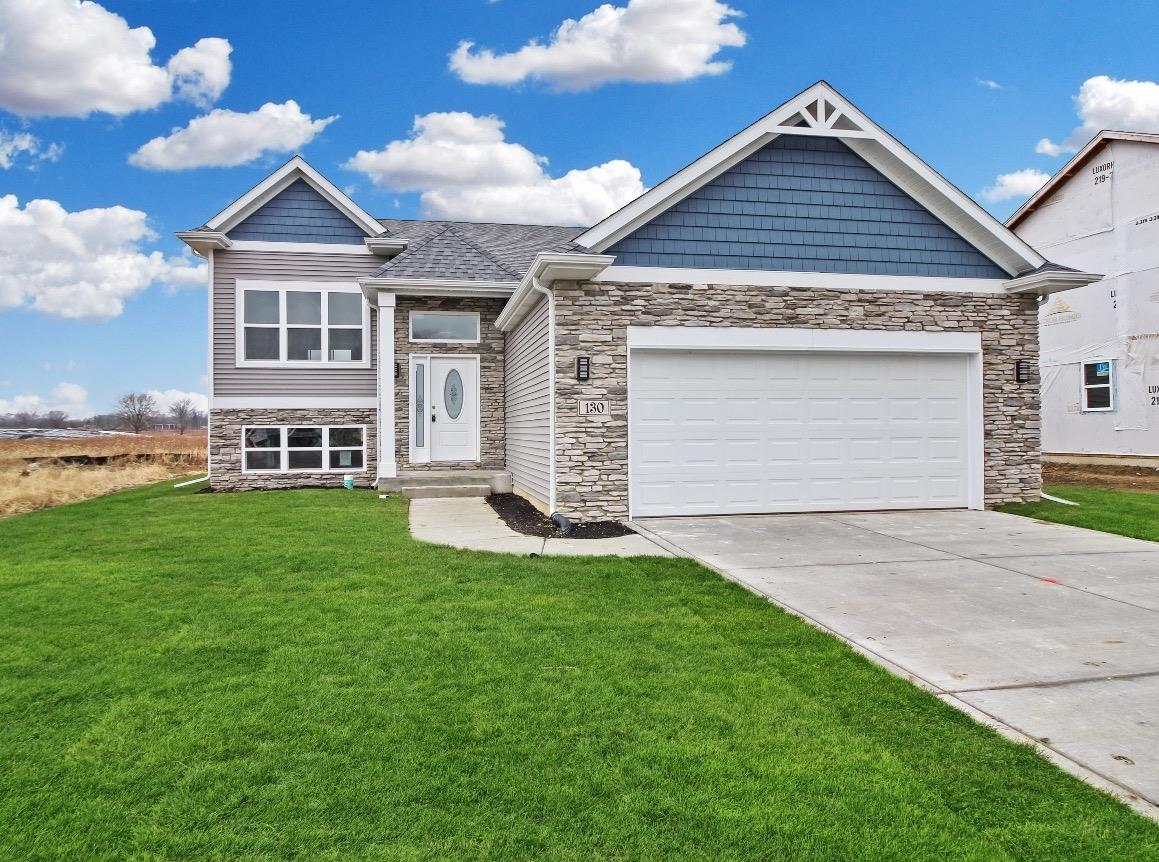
(454, 408)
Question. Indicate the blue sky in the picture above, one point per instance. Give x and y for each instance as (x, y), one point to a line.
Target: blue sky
(971, 88)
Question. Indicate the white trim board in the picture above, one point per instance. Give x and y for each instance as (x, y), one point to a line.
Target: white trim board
(791, 339)
(280, 402)
(784, 278)
(300, 247)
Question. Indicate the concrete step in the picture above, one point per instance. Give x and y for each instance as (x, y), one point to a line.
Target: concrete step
(499, 481)
(464, 489)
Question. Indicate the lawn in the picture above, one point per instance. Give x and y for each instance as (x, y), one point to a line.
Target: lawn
(1128, 513)
(287, 675)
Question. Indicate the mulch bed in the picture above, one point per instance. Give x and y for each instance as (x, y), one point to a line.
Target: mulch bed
(522, 517)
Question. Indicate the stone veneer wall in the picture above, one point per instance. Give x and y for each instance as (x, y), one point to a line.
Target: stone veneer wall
(490, 349)
(592, 320)
(225, 446)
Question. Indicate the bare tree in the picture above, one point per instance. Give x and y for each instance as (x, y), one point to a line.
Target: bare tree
(183, 414)
(56, 419)
(136, 411)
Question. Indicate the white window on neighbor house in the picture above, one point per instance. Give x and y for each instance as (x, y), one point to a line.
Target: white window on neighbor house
(445, 327)
(1098, 386)
(304, 449)
(301, 324)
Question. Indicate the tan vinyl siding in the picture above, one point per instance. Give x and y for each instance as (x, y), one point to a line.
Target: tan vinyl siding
(529, 405)
(231, 381)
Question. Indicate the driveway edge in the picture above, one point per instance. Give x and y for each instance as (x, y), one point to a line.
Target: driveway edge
(1122, 793)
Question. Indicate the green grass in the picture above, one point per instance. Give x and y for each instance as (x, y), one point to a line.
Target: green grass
(288, 675)
(1128, 513)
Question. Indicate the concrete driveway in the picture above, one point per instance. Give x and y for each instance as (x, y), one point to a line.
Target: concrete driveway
(1052, 631)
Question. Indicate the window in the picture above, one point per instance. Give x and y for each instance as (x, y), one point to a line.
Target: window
(304, 449)
(444, 326)
(299, 324)
(1098, 386)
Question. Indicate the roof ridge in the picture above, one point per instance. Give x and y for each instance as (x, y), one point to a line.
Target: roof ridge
(481, 223)
(482, 250)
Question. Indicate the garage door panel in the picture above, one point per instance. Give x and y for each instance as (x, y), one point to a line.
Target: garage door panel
(718, 432)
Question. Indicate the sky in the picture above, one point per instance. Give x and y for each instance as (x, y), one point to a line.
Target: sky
(123, 121)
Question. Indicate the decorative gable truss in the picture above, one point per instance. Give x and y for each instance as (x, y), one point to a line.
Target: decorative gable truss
(821, 116)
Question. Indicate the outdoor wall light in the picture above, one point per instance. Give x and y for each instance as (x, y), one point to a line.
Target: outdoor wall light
(397, 370)
(583, 369)
(1022, 371)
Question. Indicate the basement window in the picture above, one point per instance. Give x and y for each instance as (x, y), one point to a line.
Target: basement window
(1098, 386)
(304, 449)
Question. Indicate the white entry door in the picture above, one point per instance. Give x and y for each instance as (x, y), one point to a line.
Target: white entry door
(454, 408)
(751, 432)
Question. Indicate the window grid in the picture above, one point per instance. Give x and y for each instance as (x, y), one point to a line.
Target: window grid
(331, 453)
(358, 348)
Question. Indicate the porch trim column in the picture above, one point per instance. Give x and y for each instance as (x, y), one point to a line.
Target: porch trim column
(387, 458)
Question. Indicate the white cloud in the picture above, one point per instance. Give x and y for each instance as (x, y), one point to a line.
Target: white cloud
(224, 138)
(166, 398)
(69, 59)
(201, 73)
(988, 83)
(81, 264)
(16, 145)
(648, 41)
(464, 168)
(1108, 103)
(1017, 184)
(69, 397)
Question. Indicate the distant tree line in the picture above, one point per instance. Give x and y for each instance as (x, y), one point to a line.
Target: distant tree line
(136, 412)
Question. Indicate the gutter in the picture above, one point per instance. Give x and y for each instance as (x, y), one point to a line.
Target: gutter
(203, 241)
(435, 287)
(1046, 282)
(547, 268)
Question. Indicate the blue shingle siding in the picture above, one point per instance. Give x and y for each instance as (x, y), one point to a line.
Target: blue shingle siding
(298, 214)
(805, 204)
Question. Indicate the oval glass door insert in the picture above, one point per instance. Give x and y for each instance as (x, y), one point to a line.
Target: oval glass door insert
(453, 393)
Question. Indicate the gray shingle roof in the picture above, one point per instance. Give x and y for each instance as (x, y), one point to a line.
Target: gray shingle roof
(471, 250)
(447, 253)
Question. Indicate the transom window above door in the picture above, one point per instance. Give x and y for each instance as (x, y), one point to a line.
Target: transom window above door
(301, 324)
(445, 326)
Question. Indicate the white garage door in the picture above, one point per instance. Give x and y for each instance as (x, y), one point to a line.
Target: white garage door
(720, 432)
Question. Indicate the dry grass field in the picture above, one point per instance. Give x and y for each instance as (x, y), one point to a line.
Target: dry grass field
(36, 474)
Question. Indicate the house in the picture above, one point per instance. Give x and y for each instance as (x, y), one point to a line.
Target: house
(1100, 344)
(806, 318)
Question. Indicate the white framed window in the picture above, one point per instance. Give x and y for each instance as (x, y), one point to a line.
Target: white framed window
(1098, 382)
(303, 448)
(445, 327)
(298, 324)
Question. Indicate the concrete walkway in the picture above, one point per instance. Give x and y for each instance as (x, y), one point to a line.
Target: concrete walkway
(469, 523)
(1049, 633)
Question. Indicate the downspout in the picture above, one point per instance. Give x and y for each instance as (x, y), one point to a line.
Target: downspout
(209, 380)
(538, 287)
